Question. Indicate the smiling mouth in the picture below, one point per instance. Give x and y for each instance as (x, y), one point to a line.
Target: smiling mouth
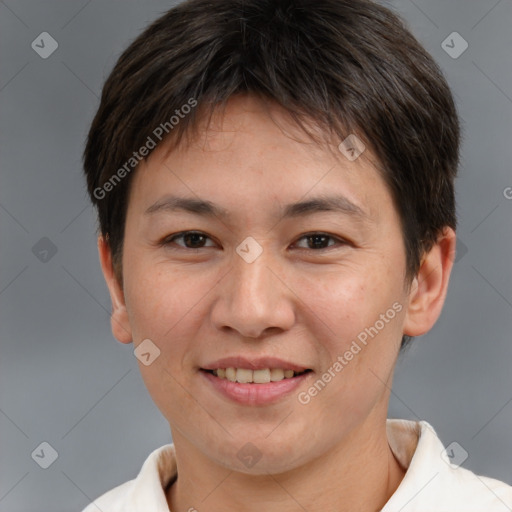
(246, 376)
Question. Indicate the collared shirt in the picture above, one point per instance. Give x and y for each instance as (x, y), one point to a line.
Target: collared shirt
(434, 480)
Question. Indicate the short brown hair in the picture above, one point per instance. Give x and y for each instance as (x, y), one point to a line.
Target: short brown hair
(351, 66)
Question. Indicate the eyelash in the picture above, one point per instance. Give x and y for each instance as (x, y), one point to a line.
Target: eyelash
(166, 242)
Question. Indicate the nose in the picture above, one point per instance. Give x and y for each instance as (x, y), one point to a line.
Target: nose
(254, 299)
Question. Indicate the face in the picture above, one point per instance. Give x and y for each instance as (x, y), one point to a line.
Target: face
(261, 285)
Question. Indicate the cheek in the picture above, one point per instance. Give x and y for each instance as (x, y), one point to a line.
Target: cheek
(346, 310)
(341, 303)
(164, 306)
(157, 301)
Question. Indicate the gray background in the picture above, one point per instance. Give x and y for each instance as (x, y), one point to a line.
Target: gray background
(65, 380)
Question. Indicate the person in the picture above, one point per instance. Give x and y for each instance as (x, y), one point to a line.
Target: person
(274, 181)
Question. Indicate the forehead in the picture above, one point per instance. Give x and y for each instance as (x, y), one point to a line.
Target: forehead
(252, 154)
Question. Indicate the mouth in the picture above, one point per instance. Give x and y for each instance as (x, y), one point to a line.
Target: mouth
(254, 381)
(259, 387)
(260, 376)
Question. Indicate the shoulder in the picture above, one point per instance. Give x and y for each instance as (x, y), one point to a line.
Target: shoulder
(466, 491)
(435, 479)
(113, 500)
(146, 491)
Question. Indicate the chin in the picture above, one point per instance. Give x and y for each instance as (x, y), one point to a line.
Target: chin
(260, 457)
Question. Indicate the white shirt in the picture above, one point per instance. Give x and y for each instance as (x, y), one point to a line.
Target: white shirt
(432, 483)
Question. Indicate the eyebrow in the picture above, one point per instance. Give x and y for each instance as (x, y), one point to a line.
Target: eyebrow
(324, 203)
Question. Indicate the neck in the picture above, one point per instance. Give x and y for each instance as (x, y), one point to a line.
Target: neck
(337, 481)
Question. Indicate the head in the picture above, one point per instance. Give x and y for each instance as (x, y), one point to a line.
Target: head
(251, 105)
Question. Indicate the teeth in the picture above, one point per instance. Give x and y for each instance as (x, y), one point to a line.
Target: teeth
(231, 374)
(245, 376)
(276, 374)
(261, 376)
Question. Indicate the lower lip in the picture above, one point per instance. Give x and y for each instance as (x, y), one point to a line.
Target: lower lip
(255, 394)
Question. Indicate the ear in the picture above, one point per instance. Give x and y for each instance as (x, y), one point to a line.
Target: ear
(430, 286)
(119, 319)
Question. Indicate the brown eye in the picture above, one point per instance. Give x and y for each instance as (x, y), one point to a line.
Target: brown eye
(191, 239)
(319, 241)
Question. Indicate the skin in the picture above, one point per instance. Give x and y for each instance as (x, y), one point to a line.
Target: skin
(295, 301)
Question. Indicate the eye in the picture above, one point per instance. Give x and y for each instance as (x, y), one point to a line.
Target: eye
(317, 241)
(196, 240)
(193, 238)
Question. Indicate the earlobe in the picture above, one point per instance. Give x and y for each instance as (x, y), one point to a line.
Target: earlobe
(119, 318)
(430, 286)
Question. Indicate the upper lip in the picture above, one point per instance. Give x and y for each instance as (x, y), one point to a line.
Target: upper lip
(258, 363)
